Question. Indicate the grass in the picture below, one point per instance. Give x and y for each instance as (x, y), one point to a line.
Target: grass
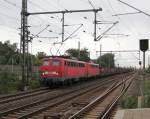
(147, 93)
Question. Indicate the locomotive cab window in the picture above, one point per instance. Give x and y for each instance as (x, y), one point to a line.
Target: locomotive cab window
(55, 62)
(94, 66)
(81, 65)
(45, 62)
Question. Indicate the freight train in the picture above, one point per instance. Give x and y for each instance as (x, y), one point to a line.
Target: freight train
(61, 71)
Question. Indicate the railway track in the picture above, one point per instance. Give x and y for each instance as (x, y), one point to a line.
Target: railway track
(53, 99)
(14, 97)
(28, 110)
(3, 97)
(66, 108)
(101, 107)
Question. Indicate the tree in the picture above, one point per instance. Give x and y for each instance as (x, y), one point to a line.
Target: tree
(41, 55)
(8, 52)
(37, 60)
(106, 60)
(84, 54)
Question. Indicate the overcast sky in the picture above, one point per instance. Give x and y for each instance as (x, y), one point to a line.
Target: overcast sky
(132, 27)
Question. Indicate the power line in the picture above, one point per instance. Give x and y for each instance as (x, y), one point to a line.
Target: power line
(74, 32)
(4, 5)
(6, 15)
(134, 8)
(34, 4)
(38, 6)
(119, 18)
(42, 31)
(120, 51)
(87, 2)
(11, 17)
(11, 3)
(102, 35)
(128, 13)
(56, 6)
(91, 4)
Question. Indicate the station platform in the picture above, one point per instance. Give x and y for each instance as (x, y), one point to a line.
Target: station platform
(140, 113)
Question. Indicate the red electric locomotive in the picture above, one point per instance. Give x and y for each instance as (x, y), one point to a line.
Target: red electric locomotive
(58, 70)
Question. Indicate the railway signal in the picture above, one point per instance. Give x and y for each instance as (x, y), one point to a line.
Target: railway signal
(144, 48)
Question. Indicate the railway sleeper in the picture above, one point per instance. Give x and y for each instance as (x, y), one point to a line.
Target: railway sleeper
(79, 104)
(53, 116)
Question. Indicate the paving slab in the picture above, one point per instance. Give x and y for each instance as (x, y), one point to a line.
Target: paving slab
(140, 113)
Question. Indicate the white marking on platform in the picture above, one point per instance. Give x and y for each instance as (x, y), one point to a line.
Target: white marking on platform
(119, 114)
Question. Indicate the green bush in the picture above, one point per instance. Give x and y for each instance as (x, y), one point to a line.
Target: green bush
(147, 93)
(128, 102)
(35, 83)
(8, 82)
(147, 87)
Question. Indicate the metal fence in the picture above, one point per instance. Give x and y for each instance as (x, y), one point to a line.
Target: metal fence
(16, 69)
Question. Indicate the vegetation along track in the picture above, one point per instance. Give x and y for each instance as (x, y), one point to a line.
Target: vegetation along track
(26, 110)
(101, 106)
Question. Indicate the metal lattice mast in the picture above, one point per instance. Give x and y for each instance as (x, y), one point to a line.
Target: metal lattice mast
(24, 43)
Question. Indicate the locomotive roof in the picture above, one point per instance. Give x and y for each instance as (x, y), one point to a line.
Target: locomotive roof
(68, 59)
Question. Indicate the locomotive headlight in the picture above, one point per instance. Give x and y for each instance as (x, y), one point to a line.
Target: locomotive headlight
(53, 73)
(46, 72)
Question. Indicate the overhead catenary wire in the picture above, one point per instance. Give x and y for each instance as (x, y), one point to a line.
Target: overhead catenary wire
(125, 24)
(8, 8)
(134, 8)
(102, 35)
(41, 8)
(48, 15)
(87, 2)
(73, 32)
(138, 11)
(11, 17)
(91, 4)
(11, 3)
(128, 13)
(15, 5)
